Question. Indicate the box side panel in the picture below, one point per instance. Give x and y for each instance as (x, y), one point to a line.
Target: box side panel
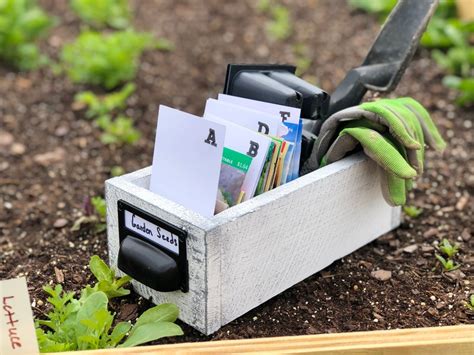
(192, 305)
(277, 245)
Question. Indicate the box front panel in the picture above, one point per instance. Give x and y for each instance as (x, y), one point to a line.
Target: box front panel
(192, 304)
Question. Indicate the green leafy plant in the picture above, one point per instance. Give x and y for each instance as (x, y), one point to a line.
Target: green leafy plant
(448, 264)
(105, 60)
(117, 171)
(85, 323)
(279, 27)
(465, 86)
(470, 304)
(98, 106)
(99, 14)
(99, 206)
(457, 60)
(303, 59)
(264, 5)
(117, 131)
(379, 7)
(412, 211)
(22, 23)
(95, 210)
(445, 32)
(448, 249)
(107, 282)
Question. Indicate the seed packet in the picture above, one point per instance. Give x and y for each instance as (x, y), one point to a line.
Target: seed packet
(234, 169)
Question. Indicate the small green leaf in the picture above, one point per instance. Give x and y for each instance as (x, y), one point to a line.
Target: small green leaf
(100, 269)
(163, 44)
(117, 171)
(111, 289)
(100, 206)
(99, 14)
(412, 211)
(93, 304)
(448, 249)
(150, 332)
(119, 332)
(166, 312)
(123, 280)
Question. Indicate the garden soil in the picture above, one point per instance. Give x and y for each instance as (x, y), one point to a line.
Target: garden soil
(51, 159)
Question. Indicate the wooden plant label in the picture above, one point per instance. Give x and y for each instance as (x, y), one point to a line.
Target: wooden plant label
(17, 331)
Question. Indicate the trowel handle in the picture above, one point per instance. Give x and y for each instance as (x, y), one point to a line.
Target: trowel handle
(389, 56)
(349, 93)
(356, 83)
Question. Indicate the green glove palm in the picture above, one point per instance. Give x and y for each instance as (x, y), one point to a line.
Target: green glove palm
(392, 132)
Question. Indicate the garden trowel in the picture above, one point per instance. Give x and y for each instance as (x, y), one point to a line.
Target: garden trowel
(381, 71)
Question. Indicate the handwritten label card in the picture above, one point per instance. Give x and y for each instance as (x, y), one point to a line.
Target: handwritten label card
(17, 331)
(152, 232)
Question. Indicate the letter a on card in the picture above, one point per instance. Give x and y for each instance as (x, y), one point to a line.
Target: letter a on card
(187, 160)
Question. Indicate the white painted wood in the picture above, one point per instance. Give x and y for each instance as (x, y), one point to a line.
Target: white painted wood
(192, 305)
(257, 249)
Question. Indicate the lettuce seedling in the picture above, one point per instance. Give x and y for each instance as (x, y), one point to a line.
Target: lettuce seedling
(465, 86)
(117, 171)
(380, 7)
(117, 131)
(105, 59)
(22, 23)
(94, 213)
(100, 208)
(457, 60)
(448, 249)
(107, 281)
(470, 304)
(448, 264)
(412, 211)
(98, 106)
(87, 324)
(279, 27)
(99, 14)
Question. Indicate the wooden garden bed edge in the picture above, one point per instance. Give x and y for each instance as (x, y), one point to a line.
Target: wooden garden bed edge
(457, 339)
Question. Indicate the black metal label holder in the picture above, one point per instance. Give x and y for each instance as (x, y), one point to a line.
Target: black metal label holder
(152, 251)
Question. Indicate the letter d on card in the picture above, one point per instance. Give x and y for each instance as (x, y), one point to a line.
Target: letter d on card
(17, 331)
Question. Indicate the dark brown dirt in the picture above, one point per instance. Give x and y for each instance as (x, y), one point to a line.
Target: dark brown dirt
(35, 108)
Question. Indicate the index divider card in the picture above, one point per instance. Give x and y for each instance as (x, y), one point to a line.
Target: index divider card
(187, 159)
(253, 119)
(17, 331)
(290, 116)
(250, 143)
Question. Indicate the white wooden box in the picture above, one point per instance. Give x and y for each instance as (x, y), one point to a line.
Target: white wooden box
(251, 252)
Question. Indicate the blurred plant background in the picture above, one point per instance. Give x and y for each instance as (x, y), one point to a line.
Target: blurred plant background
(22, 23)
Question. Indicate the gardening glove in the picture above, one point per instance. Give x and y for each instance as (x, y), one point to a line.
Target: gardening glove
(392, 132)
